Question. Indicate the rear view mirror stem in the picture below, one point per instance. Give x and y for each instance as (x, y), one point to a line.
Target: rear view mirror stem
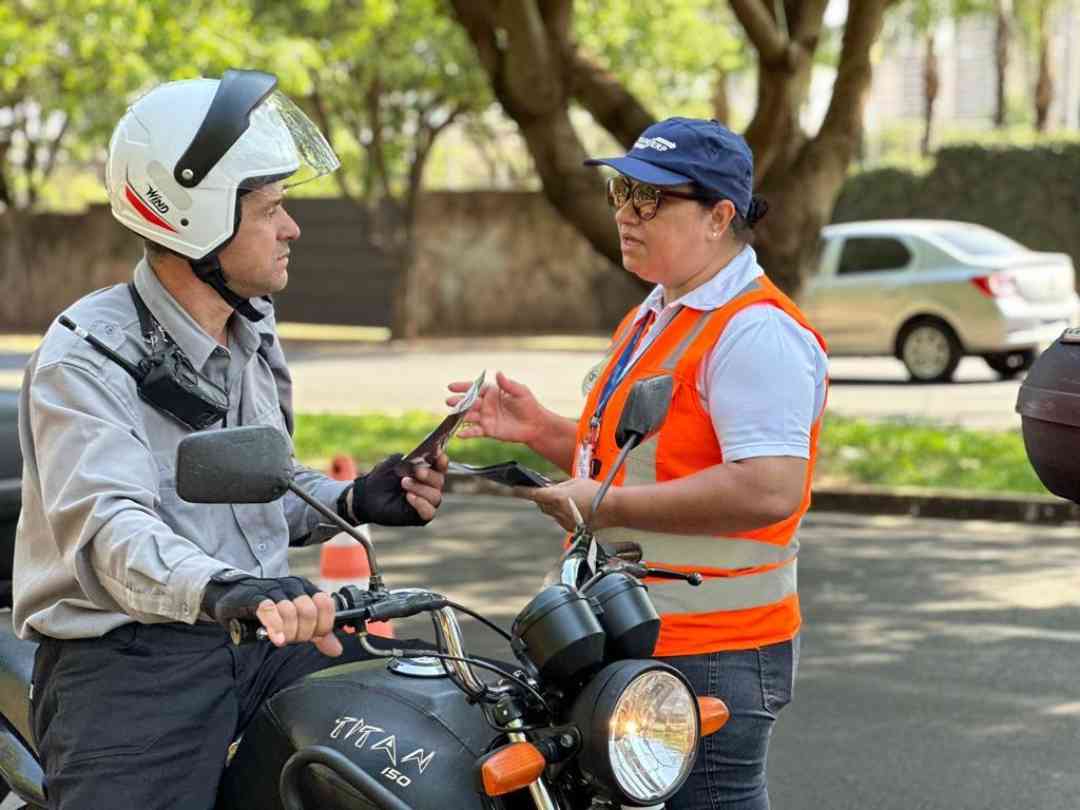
(375, 583)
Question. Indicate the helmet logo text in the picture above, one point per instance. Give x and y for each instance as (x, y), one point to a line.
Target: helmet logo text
(156, 200)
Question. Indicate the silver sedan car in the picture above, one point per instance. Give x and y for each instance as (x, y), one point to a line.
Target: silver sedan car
(931, 291)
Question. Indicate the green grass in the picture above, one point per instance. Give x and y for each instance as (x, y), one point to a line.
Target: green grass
(369, 438)
(852, 451)
(897, 453)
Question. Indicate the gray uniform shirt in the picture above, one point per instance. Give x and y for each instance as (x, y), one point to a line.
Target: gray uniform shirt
(103, 539)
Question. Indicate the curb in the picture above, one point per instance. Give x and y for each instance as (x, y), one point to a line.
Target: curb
(909, 501)
(1045, 510)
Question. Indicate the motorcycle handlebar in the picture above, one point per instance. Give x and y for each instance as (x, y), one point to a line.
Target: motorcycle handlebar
(368, 607)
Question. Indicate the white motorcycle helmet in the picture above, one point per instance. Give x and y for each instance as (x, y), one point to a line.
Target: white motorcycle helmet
(184, 153)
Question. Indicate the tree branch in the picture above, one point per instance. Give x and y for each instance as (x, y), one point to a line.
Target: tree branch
(614, 107)
(843, 120)
(477, 17)
(768, 40)
(426, 135)
(54, 148)
(318, 106)
(373, 99)
(558, 15)
(806, 19)
(5, 190)
(532, 69)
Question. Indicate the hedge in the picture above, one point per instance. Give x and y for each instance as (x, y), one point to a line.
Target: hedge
(1030, 194)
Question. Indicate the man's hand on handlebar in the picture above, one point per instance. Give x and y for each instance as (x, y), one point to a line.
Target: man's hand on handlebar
(291, 609)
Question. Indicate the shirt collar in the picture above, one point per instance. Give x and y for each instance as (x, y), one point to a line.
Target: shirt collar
(714, 293)
(185, 331)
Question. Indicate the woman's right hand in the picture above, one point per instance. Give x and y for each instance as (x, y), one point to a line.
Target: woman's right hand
(506, 411)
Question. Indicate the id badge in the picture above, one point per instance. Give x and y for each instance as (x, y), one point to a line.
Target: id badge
(583, 459)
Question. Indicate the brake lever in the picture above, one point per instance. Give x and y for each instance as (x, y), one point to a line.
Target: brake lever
(627, 551)
(642, 571)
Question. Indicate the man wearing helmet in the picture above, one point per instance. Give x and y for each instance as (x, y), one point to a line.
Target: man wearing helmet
(137, 692)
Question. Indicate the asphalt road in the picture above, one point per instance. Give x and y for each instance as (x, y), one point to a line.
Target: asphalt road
(939, 658)
(345, 379)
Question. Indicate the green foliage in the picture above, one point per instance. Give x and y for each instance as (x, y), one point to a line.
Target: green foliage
(912, 454)
(1029, 194)
(383, 79)
(897, 144)
(668, 54)
(855, 451)
(72, 66)
(371, 437)
(387, 74)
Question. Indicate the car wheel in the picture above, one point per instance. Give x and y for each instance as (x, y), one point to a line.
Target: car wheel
(929, 350)
(1009, 364)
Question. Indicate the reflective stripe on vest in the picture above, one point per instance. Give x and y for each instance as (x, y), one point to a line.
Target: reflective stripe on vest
(725, 593)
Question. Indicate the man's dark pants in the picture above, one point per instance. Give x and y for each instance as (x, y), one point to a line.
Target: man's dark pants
(143, 717)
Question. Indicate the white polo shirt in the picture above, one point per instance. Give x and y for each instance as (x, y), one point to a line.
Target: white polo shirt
(763, 383)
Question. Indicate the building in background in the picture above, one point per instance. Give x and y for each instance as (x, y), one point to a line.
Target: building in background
(965, 102)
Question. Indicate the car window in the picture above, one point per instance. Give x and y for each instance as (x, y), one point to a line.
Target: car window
(871, 254)
(976, 241)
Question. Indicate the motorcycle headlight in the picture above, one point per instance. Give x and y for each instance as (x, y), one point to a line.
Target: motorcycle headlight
(640, 728)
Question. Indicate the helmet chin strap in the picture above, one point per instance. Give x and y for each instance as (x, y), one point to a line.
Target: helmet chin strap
(208, 269)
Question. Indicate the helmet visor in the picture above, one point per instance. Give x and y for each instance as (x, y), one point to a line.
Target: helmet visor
(287, 144)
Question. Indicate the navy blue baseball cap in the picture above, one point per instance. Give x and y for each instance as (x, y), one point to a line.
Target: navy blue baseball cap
(690, 150)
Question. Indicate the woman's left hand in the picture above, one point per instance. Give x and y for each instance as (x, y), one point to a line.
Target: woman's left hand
(555, 500)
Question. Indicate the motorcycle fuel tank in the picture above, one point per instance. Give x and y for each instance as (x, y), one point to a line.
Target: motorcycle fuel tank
(417, 736)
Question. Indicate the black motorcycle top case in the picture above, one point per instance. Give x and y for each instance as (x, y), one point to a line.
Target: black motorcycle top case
(419, 737)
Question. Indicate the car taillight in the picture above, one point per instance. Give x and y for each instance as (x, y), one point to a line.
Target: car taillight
(996, 285)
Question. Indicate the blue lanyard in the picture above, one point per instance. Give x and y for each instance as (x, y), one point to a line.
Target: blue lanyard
(621, 367)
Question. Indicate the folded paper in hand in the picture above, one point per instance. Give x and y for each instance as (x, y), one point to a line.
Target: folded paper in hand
(435, 442)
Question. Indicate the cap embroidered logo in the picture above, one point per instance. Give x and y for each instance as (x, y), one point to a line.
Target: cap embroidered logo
(659, 144)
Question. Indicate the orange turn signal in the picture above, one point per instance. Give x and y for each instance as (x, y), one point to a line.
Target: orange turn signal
(510, 768)
(714, 713)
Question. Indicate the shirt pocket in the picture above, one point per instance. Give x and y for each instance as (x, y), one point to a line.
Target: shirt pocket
(199, 523)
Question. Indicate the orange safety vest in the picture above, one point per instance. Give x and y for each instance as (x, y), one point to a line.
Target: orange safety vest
(749, 597)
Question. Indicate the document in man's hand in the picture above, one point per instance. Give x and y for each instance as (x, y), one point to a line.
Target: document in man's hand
(435, 442)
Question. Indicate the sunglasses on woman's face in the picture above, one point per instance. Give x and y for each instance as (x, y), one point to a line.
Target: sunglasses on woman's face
(645, 198)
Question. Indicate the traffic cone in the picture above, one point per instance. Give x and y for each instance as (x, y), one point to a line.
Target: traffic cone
(343, 561)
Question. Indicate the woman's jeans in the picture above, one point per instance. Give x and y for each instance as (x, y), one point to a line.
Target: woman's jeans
(755, 684)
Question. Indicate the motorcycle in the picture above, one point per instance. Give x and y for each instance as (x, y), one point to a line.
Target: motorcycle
(582, 718)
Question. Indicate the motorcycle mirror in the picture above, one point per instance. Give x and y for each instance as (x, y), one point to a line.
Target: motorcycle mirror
(645, 409)
(234, 465)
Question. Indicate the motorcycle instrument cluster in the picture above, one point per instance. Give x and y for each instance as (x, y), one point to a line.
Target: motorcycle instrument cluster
(631, 624)
(558, 633)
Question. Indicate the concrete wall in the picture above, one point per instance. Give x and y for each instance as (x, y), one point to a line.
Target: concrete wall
(49, 260)
(506, 263)
(485, 263)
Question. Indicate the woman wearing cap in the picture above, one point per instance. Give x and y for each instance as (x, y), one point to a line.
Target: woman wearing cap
(722, 487)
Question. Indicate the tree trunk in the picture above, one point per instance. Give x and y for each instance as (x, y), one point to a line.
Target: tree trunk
(802, 194)
(1001, 62)
(1044, 87)
(721, 108)
(930, 91)
(525, 54)
(526, 50)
